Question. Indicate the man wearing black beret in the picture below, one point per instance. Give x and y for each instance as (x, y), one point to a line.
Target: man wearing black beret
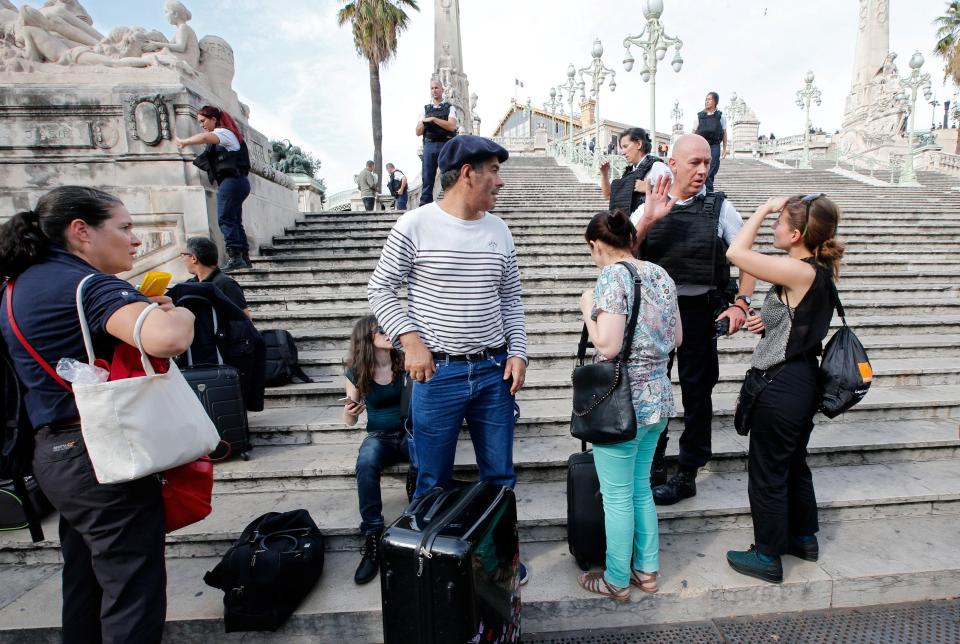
(463, 331)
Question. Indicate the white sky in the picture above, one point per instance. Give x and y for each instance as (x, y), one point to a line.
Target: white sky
(300, 74)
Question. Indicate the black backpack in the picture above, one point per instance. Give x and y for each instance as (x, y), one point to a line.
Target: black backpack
(282, 359)
(845, 371)
(268, 571)
(16, 450)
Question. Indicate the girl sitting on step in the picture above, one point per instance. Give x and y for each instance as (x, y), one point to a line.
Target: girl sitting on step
(795, 318)
(374, 382)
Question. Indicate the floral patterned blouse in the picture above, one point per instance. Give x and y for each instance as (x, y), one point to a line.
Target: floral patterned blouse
(654, 338)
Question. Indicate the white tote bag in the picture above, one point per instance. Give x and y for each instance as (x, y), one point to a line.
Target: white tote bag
(140, 426)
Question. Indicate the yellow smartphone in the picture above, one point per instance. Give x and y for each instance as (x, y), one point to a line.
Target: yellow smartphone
(154, 283)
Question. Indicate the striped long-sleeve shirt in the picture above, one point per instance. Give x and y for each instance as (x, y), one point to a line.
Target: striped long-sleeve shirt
(463, 283)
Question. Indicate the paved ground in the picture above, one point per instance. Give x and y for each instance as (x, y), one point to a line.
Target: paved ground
(936, 622)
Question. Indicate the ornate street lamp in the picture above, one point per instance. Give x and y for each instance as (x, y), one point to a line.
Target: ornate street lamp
(804, 96)
(914, 82)
(529, 117)
(570, 86)
(598, 73)
(653, 41)
(556, 101)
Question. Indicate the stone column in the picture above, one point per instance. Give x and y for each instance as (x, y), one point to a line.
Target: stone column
(448, 54)
(873, 45)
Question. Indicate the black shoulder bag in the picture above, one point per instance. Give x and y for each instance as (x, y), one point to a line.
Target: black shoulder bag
(603, 411)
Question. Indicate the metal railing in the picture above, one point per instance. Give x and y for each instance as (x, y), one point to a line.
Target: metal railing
(580, 155)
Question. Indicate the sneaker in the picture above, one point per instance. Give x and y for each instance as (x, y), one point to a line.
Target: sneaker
(682, 485)
(523, 574)
(754, 564)
(369, 558)
(806, 548)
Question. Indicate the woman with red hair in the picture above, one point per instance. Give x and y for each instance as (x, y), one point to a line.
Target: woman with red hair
(227, 164)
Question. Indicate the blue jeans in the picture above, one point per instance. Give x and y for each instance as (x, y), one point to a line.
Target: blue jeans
(378, 451)
(714, 165)
(473, 391)
(369, 203)
(230, 195)
(402, 201)
(630, 517)
(431, 160)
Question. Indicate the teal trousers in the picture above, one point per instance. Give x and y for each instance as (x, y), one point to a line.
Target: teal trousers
(630, 517)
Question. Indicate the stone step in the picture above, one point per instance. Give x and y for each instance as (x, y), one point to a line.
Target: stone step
(892, 490)
(542, 383)
(297, 295)
(898, 315)
(321, 281)
(551, 417)
(695, 583)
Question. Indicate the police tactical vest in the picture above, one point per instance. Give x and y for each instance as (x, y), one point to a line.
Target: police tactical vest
(622, 195)
(685, 243)
(221, 164)
(432, 132)
(710, 127)
(394, 185)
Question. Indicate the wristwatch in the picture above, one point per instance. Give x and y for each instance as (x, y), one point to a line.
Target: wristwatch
(746, 299)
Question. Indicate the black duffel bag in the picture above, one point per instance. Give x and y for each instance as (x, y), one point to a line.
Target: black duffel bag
(603, 411)
(268, 571)
(845, 371)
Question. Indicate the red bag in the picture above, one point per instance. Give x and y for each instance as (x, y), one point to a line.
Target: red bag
(187, 493)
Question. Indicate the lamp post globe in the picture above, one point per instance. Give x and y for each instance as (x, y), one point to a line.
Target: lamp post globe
(597, 50)
(916, 61)
(808, 78)
(652, 9)
(628, 61)
(571, 71)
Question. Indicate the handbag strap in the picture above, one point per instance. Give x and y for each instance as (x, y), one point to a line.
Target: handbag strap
(631, 324)
(26, 345)
(88, 339)
(835, 296)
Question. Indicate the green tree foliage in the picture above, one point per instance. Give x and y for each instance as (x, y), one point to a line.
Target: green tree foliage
(376, 25)
(948, 45)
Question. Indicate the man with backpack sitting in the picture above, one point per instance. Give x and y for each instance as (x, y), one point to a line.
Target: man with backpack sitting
(201, 258)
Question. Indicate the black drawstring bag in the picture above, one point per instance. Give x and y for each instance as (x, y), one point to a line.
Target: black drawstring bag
(845, 372)
(603, 411)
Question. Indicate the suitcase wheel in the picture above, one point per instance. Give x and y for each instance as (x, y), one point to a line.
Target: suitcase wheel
(245, 456)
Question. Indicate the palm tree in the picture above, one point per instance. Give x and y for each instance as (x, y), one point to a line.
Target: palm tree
(376, 26)
(948, 45)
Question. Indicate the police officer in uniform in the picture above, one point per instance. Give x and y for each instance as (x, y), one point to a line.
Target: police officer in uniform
(712, 125)
(628, 192)
(437, 125)
(686, 229)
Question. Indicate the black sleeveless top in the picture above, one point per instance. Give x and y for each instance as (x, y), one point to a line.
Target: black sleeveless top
(798, 330)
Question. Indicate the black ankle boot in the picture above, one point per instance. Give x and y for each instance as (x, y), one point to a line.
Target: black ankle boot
(235, 261)
(658, 469)
(411, 483)
(681, 486)
(369, 558)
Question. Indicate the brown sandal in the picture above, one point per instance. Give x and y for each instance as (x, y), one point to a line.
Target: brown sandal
(645, 581)
(595, 583)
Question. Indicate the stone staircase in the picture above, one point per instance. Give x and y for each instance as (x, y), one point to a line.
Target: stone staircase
(886, 473)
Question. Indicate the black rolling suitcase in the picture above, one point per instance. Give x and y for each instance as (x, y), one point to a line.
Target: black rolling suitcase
(218, 388)
(449, 568)
(586, 534)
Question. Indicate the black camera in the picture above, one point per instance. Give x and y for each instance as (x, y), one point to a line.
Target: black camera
(721, 327)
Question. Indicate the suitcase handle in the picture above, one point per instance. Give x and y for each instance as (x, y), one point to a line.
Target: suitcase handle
(435, 508)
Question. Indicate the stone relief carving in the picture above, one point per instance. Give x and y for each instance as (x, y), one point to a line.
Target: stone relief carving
(148, 119)
(183, 52)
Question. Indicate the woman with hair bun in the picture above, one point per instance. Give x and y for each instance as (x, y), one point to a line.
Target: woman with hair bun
(227, 164)
(795, 318)
(111, 536)
(630, 517)
(643, 169)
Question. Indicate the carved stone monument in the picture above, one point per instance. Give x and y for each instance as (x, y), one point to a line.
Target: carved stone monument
(80, 107)
(744, 126)
(448, 61)
(873, 112)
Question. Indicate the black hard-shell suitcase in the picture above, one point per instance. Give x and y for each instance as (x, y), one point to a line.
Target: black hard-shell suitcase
(218, 388)
(449, 568)
(586, 534)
